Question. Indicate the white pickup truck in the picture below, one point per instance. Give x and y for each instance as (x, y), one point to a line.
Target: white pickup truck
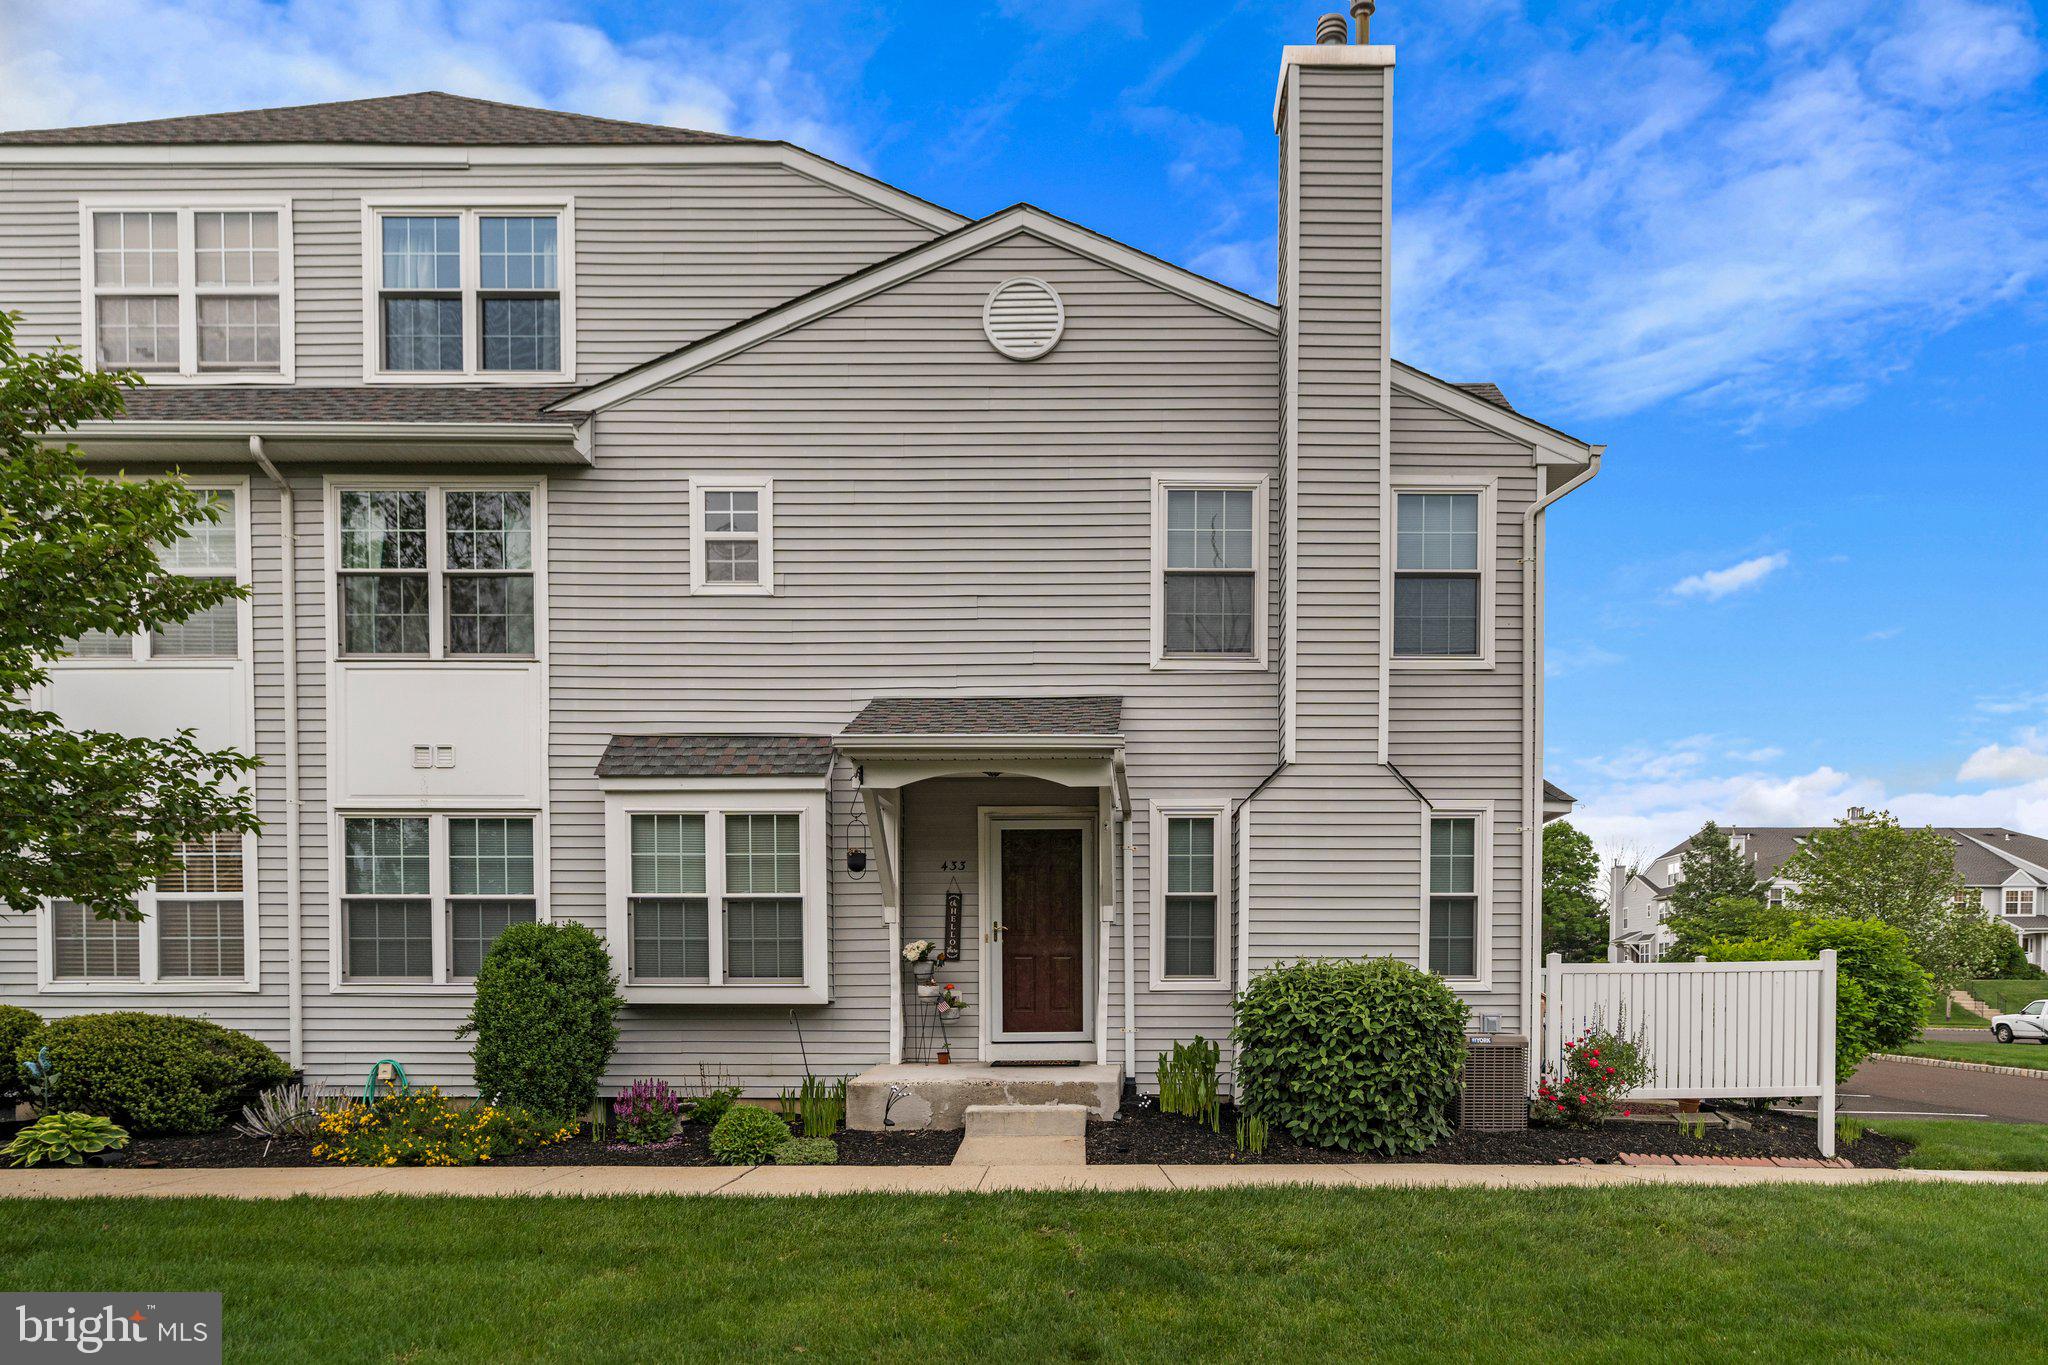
(2030, 1025)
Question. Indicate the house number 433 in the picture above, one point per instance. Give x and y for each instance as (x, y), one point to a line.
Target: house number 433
(953, 865)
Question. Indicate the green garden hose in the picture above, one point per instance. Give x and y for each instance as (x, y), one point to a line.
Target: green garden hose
(397, 1070)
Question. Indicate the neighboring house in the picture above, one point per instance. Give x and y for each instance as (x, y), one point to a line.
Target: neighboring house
(689, 537)
(2004, 872)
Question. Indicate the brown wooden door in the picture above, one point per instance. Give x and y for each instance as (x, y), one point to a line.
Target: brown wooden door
(1042, 931)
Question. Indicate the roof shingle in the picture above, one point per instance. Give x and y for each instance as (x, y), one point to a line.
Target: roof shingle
(334, 403)
(429, 118)
(716, 756)
(989, 716)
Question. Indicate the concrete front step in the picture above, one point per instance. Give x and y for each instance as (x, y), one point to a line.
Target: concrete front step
(914, 1097)
(1026, 1120)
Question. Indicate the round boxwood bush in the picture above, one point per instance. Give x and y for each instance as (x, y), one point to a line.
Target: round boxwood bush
(153, 1073)
(1360, 1056)
(544, 1019)
(16, 1024)
(747, 1136)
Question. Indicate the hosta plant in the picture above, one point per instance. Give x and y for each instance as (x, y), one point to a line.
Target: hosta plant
(64, 1140)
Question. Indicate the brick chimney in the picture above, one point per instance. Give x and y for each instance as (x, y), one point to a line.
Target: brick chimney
(1331, 113)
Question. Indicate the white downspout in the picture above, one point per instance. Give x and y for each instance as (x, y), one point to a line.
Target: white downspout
(288, 590)
(1532, 747)
(1130, 987)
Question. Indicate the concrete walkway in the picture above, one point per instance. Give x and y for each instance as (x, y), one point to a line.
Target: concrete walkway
(283, 1183)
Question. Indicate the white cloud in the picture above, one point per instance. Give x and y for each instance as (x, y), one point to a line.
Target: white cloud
(1716, 584)
(1562, 660)
(1887, 633)
(2004, 763)
(58, 67)
(1761, 228)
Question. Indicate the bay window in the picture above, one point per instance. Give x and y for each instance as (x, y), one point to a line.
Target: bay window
(469, 292)
(184, 291)
(436, 571)
(718, 894)
(425, 895)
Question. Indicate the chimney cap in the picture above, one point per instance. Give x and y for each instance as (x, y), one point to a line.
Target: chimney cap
(1361, 11)
(1331, 28)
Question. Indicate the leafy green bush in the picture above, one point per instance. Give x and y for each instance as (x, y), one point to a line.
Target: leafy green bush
(152, 1073)
(1601, 1067)
(1880, 992)
(747, 1136)
(1361, 1056)
(2005, 957)
(807, 1151)
(425, 1128)
(711, 1107)
(544, 1019)
(16, 1024)
(1187, 1082)
(63, 1140)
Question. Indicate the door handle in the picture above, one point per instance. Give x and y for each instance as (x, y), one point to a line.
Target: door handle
(995, 931)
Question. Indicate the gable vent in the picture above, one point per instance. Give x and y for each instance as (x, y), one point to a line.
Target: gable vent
(1023, 318)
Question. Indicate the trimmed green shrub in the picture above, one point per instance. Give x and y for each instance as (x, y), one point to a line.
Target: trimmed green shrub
(747, 1136)
(1360, 1056)
(153, 1073)
(16, 1024)
(807, 1151)
(544, 1019)
(1880, 992)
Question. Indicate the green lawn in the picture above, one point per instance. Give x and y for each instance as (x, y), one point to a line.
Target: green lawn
(1869, 1272)
(1968, 1145)
(1940, 1015)
(2033, 1056)
(2008, 997)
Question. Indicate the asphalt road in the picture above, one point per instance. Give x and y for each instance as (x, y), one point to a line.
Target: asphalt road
(1900, 1090)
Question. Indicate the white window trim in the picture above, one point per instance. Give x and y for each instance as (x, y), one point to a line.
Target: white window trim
(1484, 487)
(150, 982)
(700, 484)
(188, 289)
(1481, 814)
(2026, 898)
(805, 798)
(437, 560)
(442, 983)
(1219, 812)
(468, 208)
(1258, 486)
(139, 644)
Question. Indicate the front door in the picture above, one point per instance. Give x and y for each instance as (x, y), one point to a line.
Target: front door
(1040, 928)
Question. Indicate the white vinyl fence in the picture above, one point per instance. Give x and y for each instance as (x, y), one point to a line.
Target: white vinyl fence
(1713, 1030)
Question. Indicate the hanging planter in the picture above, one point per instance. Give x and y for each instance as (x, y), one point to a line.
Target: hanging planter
(928, 990)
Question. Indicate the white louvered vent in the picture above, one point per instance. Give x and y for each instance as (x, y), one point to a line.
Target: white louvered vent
(1023, 318)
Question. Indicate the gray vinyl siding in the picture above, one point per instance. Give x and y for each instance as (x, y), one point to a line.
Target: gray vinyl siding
(947, 521)
(664, 253)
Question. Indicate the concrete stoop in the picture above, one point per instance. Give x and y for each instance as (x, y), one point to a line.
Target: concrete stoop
(1024, 1135)
(915, 1097)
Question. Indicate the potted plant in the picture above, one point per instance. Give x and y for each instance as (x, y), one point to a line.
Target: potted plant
(924, 957)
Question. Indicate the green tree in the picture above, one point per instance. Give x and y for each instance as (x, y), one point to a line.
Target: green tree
(1867, 866)
(1574, 919)
(90, 817)
(1712, 872)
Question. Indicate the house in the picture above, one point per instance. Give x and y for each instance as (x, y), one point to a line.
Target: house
(689, 537)
(2003, 871)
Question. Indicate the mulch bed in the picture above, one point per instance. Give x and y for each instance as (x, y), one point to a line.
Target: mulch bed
(1142, 1135)
(691, 1147)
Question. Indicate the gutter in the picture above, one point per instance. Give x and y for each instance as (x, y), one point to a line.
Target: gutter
(288, 593)
(1532, 748)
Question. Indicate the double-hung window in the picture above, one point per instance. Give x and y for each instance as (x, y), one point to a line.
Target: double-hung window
(718, 895)
(732, 534)
(431, 571)
(1440, 576)
(2019, 900)
(470, 292)
(1452, 912)
(1190, 907)
(194, 929)
(190, 291)
(425, 896)
(1208, 574)
(206, 549)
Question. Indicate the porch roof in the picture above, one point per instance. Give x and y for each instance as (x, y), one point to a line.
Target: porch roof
(988, 718)
(716, 756)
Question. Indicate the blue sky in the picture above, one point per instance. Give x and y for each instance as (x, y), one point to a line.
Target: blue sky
(1786, 260)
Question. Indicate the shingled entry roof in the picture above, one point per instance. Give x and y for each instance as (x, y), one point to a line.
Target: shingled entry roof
(431, 118)
(716, 756)
(989, 716)
(360, 403)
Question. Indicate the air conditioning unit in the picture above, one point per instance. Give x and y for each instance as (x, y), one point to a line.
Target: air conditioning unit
(1494, 1096)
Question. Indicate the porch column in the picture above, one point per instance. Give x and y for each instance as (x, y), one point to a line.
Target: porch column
(1105, 882)
(885, 817)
